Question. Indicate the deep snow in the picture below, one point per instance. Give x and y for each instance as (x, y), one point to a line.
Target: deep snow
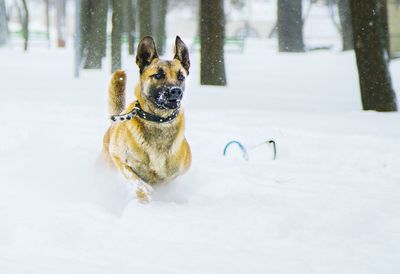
(328, 204)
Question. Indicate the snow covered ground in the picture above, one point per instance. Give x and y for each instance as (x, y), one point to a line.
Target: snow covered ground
(329, 203)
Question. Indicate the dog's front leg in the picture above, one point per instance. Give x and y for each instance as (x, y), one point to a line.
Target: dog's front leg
(143, 190)
(126, 170)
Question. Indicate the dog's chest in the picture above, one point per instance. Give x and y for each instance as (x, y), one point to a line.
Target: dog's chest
(159, 164)
(157, 167)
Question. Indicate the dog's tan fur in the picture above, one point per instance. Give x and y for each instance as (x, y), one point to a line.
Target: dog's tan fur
(145, 150)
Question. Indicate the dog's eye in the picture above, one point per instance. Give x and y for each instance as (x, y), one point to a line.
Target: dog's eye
(181, 77)
(158, 76)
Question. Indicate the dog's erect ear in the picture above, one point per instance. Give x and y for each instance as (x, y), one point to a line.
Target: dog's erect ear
(146, 52)
(182, 53)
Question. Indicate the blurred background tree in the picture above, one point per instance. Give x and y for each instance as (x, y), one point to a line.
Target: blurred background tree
(25, 25)
(345, 23)
(369, 20)
(93, 32)
(159, 12)
(3, 24)
(61, 22)
(129, 23)
(116, 32)
(152, 14)
(290, 26)
(144, 12)
(47, 15)
(212, 38)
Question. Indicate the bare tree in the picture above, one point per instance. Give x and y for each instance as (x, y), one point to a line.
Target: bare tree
(47, 22)
(61, 14)
(212, 37)
(345, 22)
(93, 32)
(158, 17)
(3, 24)
(290, 26)
(152, 15)
(130, 24)
(369, 34)
(116, 35)
(144, 13)
(25, 25)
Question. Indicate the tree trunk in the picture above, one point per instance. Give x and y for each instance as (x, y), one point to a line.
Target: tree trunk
(61, 14)
(93, 32)
(25, 25)
(290, 26)
(47, 22)
(374, 76)
(144, 10)
(159, 14)
(131, 26)
(383, 19)
(345, 22)
(116, 35)
(212, 36)
(3, 24)
(77, 39)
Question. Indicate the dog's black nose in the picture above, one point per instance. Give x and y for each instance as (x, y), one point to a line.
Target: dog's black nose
(175, 93)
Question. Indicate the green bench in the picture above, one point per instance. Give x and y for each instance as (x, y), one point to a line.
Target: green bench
(33, 35)
(231, 44)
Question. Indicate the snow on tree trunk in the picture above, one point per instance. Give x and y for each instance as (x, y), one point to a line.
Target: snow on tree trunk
(372, 55)
(290, 26)
(212, 36)
(116, 35)
(345, 22)
(93, 32)
(3, 24)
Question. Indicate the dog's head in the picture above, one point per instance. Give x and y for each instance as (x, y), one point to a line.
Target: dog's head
(162, 82)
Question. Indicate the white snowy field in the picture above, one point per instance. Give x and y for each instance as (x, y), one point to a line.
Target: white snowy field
(329, 203)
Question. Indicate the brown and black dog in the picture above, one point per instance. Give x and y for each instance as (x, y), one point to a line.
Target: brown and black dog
(146, 142)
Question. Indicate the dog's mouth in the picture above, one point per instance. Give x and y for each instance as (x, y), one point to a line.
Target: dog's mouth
(171, 104)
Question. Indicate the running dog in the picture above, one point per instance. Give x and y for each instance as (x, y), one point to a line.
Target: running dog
(146, 140)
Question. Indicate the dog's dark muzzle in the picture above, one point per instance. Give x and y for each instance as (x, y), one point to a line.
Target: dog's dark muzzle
(169, 98)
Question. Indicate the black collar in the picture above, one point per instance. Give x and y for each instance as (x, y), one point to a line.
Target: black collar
(138, 111)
